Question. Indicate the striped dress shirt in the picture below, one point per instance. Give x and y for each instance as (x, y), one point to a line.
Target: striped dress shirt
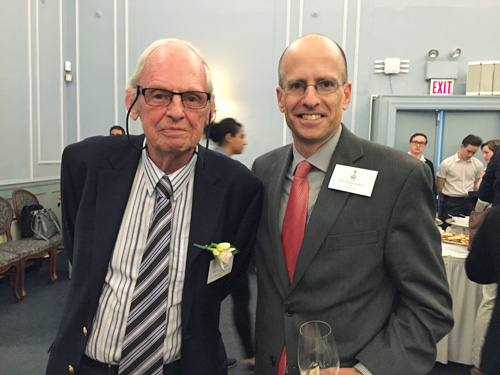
(110, 321)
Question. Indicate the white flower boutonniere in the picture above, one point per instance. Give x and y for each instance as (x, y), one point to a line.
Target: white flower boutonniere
(222, 252)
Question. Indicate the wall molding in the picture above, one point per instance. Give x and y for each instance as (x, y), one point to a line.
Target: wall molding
(39, 125)
(387, 107)
(77, 72)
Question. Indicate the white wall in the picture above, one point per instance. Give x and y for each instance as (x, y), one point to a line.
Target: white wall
(242, 41)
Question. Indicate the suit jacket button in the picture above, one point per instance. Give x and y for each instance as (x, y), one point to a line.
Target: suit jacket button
(71, 369)
(289, 311)
(272, 360)
(85, 331)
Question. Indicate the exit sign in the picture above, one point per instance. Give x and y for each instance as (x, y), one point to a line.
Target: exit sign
(441, 87)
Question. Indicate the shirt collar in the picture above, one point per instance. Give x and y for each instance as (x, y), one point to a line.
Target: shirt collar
(322, 157)
(221, 151)
(178, 179)
(421, 156)
(457, 159)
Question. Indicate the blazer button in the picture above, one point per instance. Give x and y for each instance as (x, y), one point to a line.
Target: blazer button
(289, 311)
(85, 331)
(272, 360)
(71, 369)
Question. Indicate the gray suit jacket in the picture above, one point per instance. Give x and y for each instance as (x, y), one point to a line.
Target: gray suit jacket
(369, 266)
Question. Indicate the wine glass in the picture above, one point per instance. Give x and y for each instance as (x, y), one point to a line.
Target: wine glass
(317, 350)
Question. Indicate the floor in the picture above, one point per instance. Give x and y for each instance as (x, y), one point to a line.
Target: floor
(27, 328)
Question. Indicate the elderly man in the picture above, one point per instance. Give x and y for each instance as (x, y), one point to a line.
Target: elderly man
(337, 240)
(144, 299)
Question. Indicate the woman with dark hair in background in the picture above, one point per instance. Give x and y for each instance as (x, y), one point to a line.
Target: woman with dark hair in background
(488, 149)
(230, 138)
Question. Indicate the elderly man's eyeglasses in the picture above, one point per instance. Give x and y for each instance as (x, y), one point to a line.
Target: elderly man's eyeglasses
(419, 143)
(323, 87)
(162, 98)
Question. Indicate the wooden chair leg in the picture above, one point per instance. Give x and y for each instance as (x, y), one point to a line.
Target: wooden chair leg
(53, 264)
(14, 280)
(21, 277)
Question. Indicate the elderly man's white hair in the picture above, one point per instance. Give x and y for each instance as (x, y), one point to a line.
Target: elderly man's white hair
(134, 79)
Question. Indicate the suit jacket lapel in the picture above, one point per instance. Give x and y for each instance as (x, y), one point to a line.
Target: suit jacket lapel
(207, 198)
(328, 205)
(277, 177)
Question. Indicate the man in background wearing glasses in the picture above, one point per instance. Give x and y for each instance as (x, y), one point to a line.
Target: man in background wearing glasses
(143, 299)
(347, 234)
(418, 143)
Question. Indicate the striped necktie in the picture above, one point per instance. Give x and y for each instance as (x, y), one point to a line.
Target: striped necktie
(145, 333)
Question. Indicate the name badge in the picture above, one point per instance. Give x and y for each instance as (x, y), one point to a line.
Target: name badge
(353, 180)
(215, 272)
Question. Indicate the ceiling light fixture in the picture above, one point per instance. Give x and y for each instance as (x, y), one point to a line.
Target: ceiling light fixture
(455, 54)
(433, 53)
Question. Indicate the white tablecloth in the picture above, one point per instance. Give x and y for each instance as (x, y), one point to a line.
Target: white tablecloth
(466, 295)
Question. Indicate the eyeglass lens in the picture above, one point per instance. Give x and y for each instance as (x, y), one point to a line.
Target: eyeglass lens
(323, 87)
(162, 98)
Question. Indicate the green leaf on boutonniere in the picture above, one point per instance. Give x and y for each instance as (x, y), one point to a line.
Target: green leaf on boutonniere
(222, 252)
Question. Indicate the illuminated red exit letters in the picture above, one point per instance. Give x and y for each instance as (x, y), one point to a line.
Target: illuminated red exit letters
(441, 87)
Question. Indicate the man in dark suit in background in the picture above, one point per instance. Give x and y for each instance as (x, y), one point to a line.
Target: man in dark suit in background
(369, 262)
(143, 299)
(417, 145)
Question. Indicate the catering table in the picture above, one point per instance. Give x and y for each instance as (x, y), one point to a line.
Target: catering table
(466, 295)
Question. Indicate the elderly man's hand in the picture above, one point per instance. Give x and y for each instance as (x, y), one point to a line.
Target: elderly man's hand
(349, 371)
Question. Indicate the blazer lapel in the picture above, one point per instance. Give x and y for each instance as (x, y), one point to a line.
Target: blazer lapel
(277, 177)
(328, 206)
(207, 198)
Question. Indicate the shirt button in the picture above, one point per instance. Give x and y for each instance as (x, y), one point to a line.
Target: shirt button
(289, 311)
(272, 360)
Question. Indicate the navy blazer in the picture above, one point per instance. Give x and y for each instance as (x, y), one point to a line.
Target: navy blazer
(483, 266)
(96, 178)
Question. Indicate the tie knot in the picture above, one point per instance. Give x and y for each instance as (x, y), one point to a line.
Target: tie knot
(303, 169)
(163, 187)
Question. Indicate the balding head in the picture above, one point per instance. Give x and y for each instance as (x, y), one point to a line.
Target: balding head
(311, 40)
(313, 91)
(174, 43)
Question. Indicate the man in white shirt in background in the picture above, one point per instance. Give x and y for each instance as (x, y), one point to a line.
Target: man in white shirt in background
(457, 176)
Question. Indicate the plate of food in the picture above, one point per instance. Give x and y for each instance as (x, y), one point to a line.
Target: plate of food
(456, 238)
(460, 221)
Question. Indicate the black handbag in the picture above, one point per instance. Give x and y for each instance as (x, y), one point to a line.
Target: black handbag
(27, 218)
